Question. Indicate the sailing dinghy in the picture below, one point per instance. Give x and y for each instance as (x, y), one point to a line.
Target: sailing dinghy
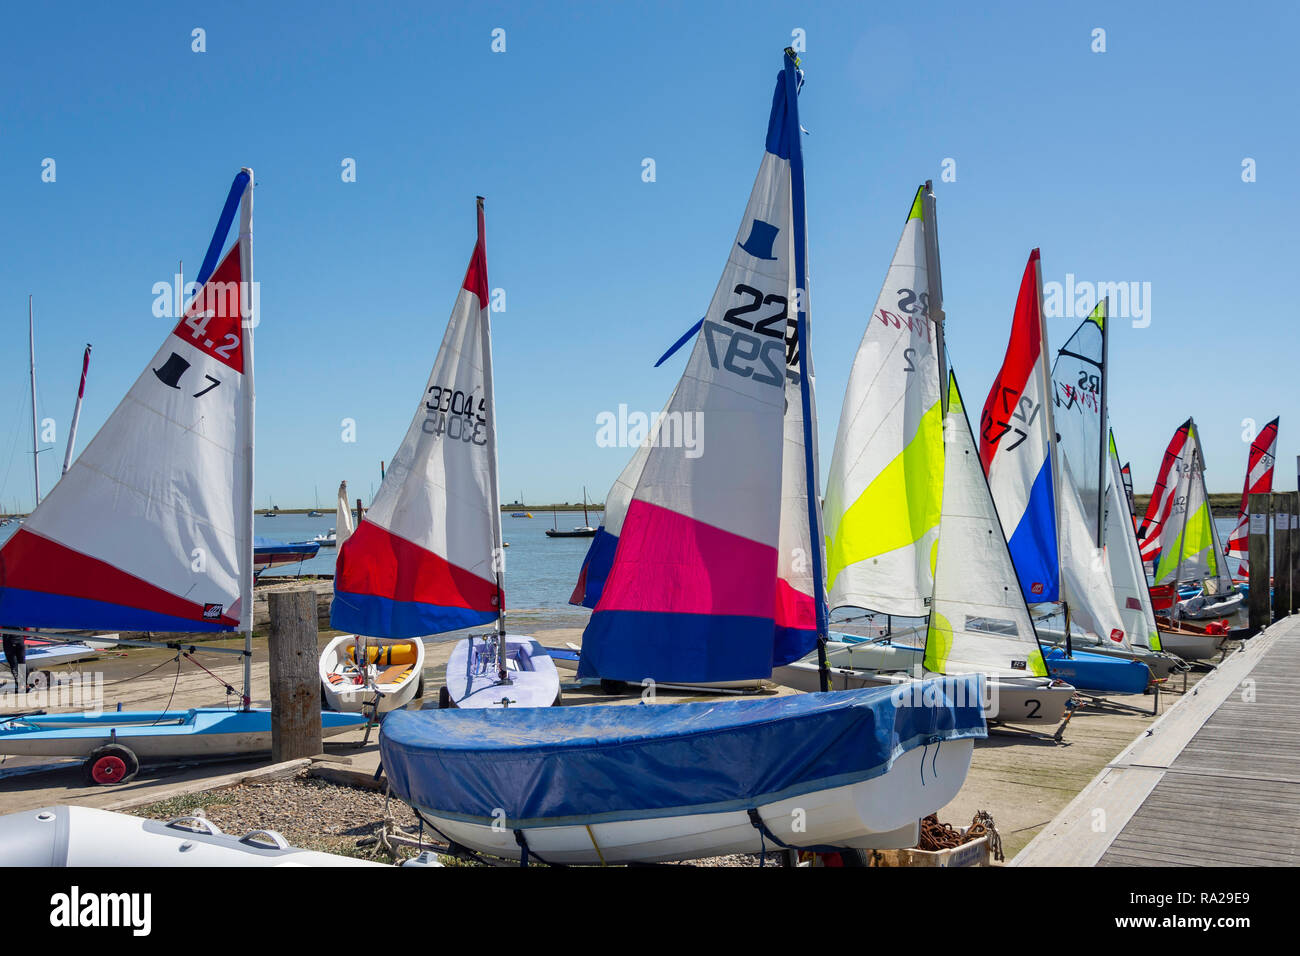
(151, 529)
(356, 671)
(697, 593)
(1052, 541)
(1259, 480)
(911, 527)
(428, 557)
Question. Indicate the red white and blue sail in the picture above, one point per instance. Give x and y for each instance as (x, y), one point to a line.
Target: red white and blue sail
(1016, 445)
(150, 529)
(696, 591)
(1259, 480)
(427, 556)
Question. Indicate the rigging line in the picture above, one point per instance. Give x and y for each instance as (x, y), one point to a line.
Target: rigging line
(172, 695)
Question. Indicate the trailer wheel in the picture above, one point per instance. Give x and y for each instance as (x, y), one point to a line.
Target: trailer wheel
(444, 698)
(608, 686)
(110, 764)
(419, 688)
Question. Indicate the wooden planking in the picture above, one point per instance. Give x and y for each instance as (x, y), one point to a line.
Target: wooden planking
(1209, 783)
(1229, 799)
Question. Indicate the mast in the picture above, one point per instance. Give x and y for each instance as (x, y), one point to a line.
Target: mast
(1048, 409)
(36, 458)
(76, 411)
(1103, 453)
(249, 322)
(494, 490)
(934, 289)
(1187, 500)
(799, 218)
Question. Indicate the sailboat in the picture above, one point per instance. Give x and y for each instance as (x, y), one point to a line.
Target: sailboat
(586, 531)
(1186, 543)
(911, 529)
(1259, 480)
(428, 556)
(151, 529)
(1052, 541)
(695, 594)
(1105, 593)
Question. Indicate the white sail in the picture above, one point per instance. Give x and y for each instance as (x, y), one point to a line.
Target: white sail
(427, 557)
(1086, 584)
(1078, 381)
(1125, 563)
(1189, 542)
(979, 622)
(886, 480)
(343, 527)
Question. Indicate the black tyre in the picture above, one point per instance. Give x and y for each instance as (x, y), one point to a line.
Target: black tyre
(419, 688)
(608, 686)
(444, 698)
(110, 764)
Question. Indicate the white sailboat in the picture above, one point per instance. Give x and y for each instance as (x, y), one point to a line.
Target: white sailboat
(151, 529)
(428, 557)
(910, 523)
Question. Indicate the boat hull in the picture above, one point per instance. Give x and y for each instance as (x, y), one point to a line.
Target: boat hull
(1192, 646)
(1097, 672)
(472, 674)
(353, 698)
(153, 735)
(879, 813)
(82, 836)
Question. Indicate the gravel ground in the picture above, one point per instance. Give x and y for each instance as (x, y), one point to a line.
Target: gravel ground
(316, 815)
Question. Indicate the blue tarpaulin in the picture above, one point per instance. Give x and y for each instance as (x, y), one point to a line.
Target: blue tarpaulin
(551, 766)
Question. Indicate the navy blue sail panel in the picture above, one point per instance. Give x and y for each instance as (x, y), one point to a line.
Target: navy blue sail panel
(552, 766)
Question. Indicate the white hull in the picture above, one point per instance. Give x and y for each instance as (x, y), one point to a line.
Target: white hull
(81, 836)
(532, 680)
(878, 813)
(1037, 701)
(350, 697)
(1209, 607)
(1192, 647)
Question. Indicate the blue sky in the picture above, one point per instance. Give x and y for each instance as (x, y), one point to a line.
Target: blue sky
(1122, 166)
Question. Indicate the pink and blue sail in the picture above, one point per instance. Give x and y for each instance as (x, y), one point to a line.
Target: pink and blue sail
(697, 589)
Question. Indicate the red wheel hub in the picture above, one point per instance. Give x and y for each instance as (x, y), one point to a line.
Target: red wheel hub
(108, 769)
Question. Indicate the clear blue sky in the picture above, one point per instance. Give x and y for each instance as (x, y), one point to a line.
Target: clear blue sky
(1122, 166)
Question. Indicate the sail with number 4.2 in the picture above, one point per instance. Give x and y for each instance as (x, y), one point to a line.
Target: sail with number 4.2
(150, 529)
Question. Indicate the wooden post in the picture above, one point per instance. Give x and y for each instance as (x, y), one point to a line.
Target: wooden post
(1293, 572)
(1258, 508)
(1281, 555)
(295, 681)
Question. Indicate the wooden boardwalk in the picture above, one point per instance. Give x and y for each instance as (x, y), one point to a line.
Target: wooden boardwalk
(1214, 782)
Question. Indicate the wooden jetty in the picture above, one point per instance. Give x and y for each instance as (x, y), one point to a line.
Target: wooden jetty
(1214, 782)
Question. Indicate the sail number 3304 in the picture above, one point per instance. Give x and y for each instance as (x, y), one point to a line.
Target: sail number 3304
(452, 412)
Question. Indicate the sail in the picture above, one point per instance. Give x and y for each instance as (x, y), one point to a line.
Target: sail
(979, 621)
(693, 594)
(1086, 585)
(1259, 480)
(600, 553)
(886, 479)
(1016, 445)
(1077, 383)
(1125, 561)
(426, 559)
(151, 527)
(1189, 542)
(1162, 495)
(343, 516)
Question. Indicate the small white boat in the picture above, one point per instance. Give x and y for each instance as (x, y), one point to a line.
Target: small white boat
(392, 669)
(1211, 607)
(474, 674)
(82, 836)
(1191, 645)
(327, 540)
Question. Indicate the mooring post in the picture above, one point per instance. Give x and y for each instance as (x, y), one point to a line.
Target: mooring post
(1281, 555)
(295, 682)
(1258, 510)
(1293, 572)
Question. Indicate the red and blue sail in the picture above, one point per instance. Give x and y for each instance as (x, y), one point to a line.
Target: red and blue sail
(427, 558)
(1016, 445)
(150, 527)
(713, 573)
